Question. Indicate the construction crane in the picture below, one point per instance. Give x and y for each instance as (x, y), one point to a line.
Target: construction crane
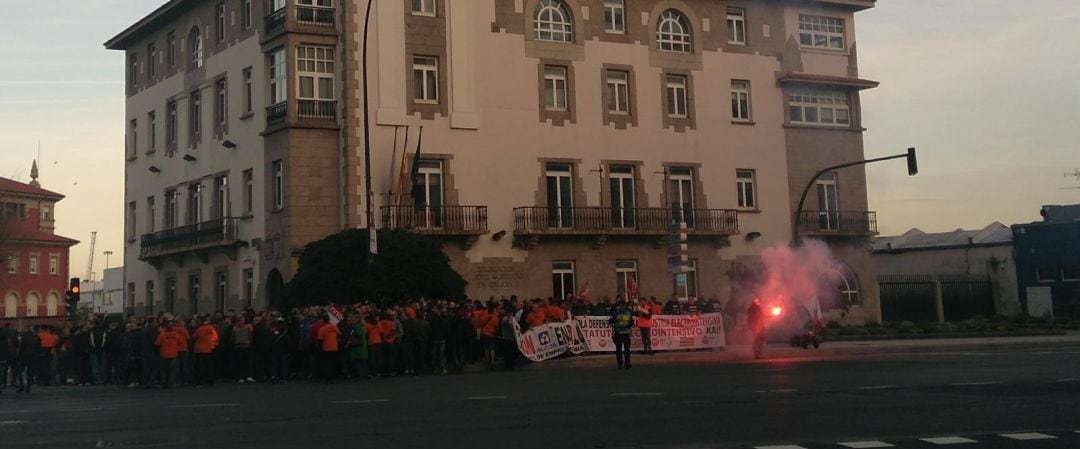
(90, 264)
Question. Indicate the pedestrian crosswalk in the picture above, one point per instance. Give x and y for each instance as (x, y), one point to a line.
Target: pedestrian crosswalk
(1066, 438)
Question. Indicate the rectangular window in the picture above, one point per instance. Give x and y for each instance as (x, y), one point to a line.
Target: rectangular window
(133, 70)
(819, 106)
(151, 139)
(429, 180)
(278, 86)
(828, 198)
(13, 264)
(194, 292)
(615, 16)
(172, 123)
(131, 229)
(623, 196)
(246, 13)
(130, 296)
(249, 287)
(555, 95)
(740, 100)
(681, 194)
(618, 90)
(221, 197)
(54, 264)
(46, 213)
(151, 213)
(249, 191)
(691, 287)
(560, 195)
(172, 209)
(562, 279)
(221, 292)
(626, 278)
(423, 7)
(134, 142)
(221, 106)
(317, 12)
(196, 116)
(149, 298)
(821, 32)
(170, 295)
(219, 25)
(170, 48)
(1046, 274)
(194, 212)
(315, 71)
(247, 91)
(676, 96)
(33, 268)
(425, 79)
(744, 185)
(736, 26)
(278, 168)
(151, 60)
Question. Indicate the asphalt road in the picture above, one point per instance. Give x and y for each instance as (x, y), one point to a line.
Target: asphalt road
(1023, 395)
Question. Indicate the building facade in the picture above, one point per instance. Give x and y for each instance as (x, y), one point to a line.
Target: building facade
(560, 138)
(34, 278)
(1048, 262)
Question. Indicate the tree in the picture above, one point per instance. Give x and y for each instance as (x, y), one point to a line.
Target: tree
(408, 266)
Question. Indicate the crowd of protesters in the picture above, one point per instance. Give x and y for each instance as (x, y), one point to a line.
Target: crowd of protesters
(322, 343)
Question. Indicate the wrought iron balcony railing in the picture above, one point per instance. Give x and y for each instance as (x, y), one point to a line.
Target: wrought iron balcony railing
(316, 109)
(275, 22)
(308, 15)
(218, 232)
(825, 223)
(277, 113)
(614, 221)
(441, 220)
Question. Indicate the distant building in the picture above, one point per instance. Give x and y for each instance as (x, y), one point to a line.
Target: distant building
(104, 296)
(1048, 262)
(34, 277)
(946, 276)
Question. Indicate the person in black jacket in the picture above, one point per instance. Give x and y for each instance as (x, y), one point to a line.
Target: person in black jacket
(80, 354)
(438, 331)
(262, 344)
(149, 351)
(7, 354)
(114, 354)
(282, 345)
(99, 337)
(29, 345)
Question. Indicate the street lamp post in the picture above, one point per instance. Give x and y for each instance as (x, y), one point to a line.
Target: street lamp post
(367, 136)
(913, 169)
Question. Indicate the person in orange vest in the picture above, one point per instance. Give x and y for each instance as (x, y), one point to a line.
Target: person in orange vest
(46, 357)
(183, 364)
(488, 325)
(644, 315)
(168, 343)
(329, 342)
(205, 340)
(537, 316)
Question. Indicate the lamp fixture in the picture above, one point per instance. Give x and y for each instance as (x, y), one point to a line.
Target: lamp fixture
(190, 158)
(153, 169)
(229, 145)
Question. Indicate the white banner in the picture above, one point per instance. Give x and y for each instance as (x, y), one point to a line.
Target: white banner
(593, 334)
(669, 333)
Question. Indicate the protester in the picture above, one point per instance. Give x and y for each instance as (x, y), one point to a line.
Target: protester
(622, 322)
(356, 342)
(327, 339)
(644, 314)
(205, 341)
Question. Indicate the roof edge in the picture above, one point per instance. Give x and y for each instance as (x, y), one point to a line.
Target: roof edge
(119, 42)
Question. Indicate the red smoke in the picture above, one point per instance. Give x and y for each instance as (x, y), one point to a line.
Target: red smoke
(798, 279)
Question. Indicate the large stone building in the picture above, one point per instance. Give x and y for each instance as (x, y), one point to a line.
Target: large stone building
(560, 138)
(34, 279)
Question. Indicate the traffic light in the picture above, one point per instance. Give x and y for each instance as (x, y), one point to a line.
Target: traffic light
(912, 163)
(73, 295)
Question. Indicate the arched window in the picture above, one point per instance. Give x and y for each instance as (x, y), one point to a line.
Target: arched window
(52, 304)
(11, 305)
(552, 22)
(32, 301)
(846, 287)
(195, 45)
(673, 32)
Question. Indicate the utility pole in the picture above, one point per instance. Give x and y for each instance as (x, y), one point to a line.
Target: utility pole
(368, 197)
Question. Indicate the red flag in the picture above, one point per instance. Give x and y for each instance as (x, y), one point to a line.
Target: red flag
(584, 293)
(632, 288)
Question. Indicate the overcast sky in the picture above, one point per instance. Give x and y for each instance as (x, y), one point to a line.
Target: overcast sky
(988, 90)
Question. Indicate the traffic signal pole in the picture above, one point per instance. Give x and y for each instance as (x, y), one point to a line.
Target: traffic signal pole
(913, 169)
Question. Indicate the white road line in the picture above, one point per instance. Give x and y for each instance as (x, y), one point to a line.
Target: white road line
(1027, 436)
(943, 441)
(1069, 380)
(790, 446)
(865, 444)
(486, 398)
(93, 409)
(362, 401)
(876, 387)
(974, 384)
(11, 423)
(635, 394)
(206, 405)
(13, 412)
(778, 391)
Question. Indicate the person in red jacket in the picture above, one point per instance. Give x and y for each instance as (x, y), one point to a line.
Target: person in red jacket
(205, 340)
(183, 364)
(168, 344)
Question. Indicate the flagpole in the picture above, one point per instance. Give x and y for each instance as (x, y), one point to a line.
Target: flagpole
(372, 239)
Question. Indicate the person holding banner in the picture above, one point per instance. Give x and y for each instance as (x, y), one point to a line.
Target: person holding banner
(644, 315)
(622, 323)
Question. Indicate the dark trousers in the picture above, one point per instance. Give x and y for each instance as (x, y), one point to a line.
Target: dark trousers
(408, 362)
(260, 364)
(389, 358)
(204, 369)
(438, 356)
(646, 340)
(168, 367)
(43, 369)
(375, 359)
(279, 366)
(509, 351)
(358, 368)
(328, 364)
(150, 362)
(86, 372)
(622, 349)
(242, 363)
(24, 377)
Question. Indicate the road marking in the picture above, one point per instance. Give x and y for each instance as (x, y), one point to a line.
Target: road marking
(362, 401)
(866, 444)
(1027, 436)
(206, 405)
(1069, 380)
(974, 384)
(486, 398)
(876, 387)
(780, 447)
(635, 394)
(942, 441)
(93, 409)
(778, 391)
(12, 412)
(11, 423)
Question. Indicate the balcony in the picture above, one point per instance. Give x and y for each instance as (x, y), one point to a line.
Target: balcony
(316, 16)
(464, 221)
(838, 224)
(602, 222)
(275, 22)
(198, 238)
(301, 18)
(277, 114)
(316, 109)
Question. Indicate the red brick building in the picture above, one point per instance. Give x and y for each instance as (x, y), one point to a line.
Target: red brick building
(33, 278)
